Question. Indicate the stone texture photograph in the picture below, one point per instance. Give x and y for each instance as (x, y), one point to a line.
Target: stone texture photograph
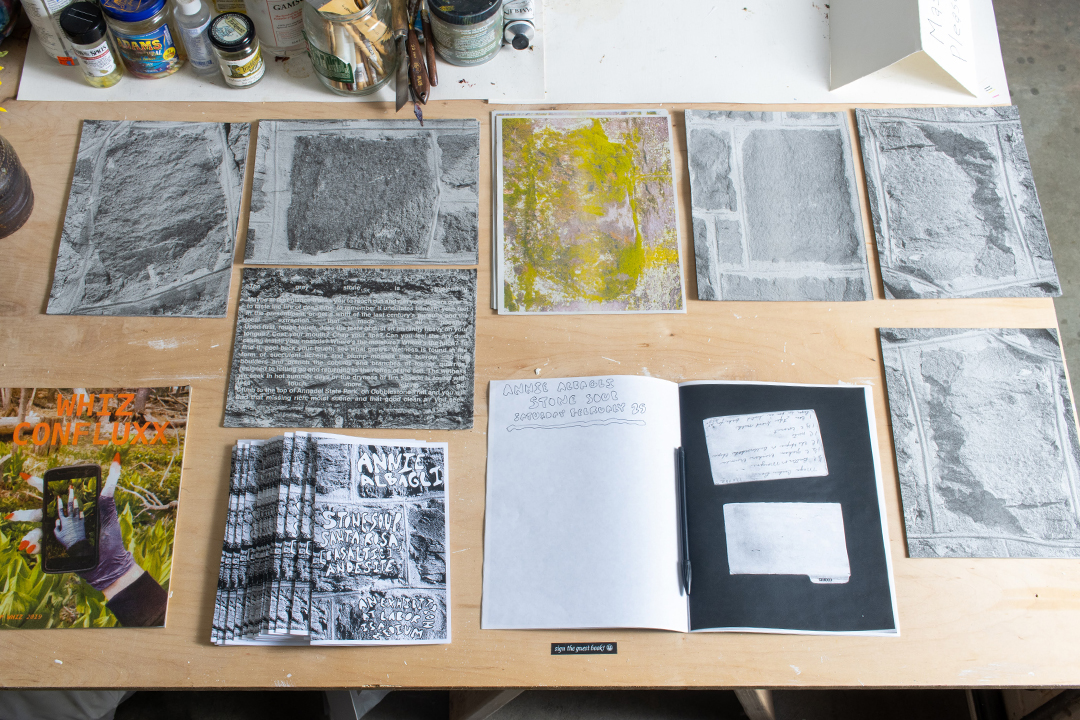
(985, 438)
(365, 192)
(585, 213)
(775, 207)
(954, 205)
(353, 348)
(151, 219)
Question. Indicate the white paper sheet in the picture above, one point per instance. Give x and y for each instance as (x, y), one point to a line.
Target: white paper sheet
(867, 35)
(787, 539)
(625, 51)
(765, 51)
(765, 446)
(581, 523)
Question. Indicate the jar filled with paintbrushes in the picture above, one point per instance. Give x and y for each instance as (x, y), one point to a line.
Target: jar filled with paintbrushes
(350, 43)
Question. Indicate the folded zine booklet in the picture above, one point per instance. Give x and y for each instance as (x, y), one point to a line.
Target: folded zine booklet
(334, 540)
(633, 502)
(89, 489)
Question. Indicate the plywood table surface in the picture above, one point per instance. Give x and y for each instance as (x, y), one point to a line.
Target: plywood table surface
(963, 622)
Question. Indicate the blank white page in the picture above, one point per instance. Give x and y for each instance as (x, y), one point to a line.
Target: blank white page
(581, 526)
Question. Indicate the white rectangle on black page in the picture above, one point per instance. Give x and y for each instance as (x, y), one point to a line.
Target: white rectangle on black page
(765, 446)
(787, 539)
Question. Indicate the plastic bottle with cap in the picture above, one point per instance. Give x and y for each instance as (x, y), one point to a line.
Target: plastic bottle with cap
(144, 40)
(85, 28)
(193, 21)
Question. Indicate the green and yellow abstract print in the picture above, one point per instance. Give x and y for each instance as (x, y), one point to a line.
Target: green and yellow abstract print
(588, 219)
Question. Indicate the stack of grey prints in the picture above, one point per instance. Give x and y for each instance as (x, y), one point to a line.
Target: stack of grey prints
(151, 219)
(365, 192)
(986, 444)
(775, 207)
(954, 204)
(334, 540)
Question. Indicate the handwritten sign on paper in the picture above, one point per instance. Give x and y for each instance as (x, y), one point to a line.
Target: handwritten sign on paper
(947, 38)
(765, 446)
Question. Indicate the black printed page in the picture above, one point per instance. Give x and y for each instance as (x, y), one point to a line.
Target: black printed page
(581, 527)
(784, 510)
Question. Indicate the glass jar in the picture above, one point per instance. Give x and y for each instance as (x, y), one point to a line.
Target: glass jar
(233, 37)
(352, 54)
(467, 32)
(85, 28)
(143, 38)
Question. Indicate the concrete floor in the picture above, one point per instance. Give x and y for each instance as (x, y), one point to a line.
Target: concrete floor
(1040, 43)
(560, 705)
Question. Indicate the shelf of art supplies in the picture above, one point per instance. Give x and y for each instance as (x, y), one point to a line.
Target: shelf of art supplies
(962, 622)
(775, 52)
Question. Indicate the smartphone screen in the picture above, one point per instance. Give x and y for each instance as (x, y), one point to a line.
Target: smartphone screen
(69, 520)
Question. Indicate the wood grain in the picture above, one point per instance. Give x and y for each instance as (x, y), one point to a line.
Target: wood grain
(963, 622)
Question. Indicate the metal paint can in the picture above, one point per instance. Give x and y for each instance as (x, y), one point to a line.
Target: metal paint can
(467, 32)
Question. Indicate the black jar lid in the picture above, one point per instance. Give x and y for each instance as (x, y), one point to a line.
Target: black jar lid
(464, 12)
(83, 23)
(232, 32)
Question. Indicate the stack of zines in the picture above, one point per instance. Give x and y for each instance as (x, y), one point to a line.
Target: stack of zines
(334, 540)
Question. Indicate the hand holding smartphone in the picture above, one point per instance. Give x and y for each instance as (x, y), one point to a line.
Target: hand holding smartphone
(70, 526)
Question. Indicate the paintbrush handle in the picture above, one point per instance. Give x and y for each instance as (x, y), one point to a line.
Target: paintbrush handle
(429, 46)
(418, 76)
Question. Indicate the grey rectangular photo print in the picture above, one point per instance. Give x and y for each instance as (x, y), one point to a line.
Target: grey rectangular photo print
(775, 207)
(356, 348)
(986, 445)
(954, 204)
(151, 219)
(365, 192)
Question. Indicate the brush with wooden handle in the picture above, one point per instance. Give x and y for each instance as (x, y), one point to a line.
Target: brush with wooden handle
(429, 44)
(418, 77)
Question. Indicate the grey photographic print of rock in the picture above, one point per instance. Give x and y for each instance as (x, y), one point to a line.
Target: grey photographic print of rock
(151, 219)
(775, 207)
(954, 205)
(365, 192)
(986, 445)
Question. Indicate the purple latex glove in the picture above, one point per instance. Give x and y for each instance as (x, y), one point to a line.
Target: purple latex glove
(113, 558)
(70, 522)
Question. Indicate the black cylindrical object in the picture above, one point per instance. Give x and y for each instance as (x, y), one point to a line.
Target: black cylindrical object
(16, 196)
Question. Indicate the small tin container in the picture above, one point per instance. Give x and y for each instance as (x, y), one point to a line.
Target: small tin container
(233, 36)
(467, 32)
(143, 38)
(85, 27)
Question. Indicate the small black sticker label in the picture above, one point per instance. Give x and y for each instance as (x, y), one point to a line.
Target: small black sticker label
(601, 648)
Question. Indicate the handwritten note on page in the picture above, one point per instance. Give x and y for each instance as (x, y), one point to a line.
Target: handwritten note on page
(765, 446)
(787, 539)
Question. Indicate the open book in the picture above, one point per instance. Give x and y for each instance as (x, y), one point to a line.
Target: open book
(780, 527)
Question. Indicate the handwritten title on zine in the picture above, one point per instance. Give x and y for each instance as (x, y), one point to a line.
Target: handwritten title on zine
(362, 540)
(765, 446)
(572, 403)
